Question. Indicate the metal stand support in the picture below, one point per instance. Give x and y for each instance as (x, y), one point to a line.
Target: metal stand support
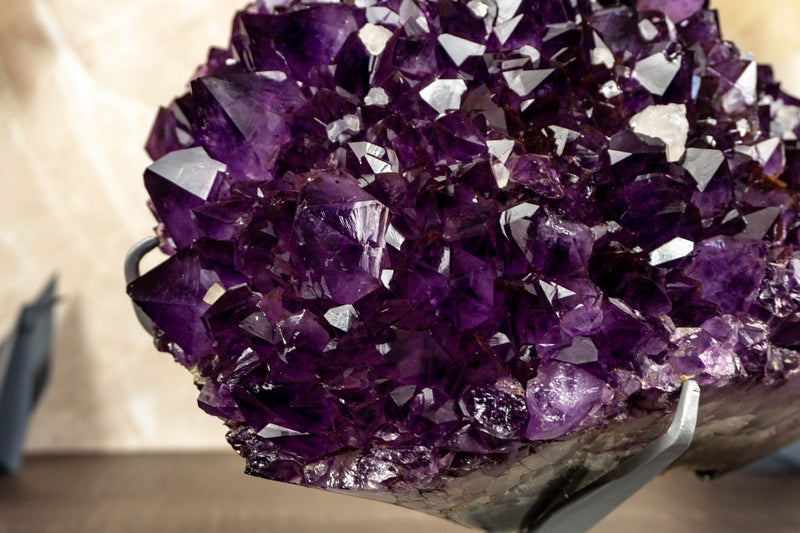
(582, 510)
(132, 260)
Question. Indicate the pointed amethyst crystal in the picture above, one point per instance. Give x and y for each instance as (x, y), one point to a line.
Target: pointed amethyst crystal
(444, 253)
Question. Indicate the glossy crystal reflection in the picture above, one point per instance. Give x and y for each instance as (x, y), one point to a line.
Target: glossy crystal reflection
(413, 240)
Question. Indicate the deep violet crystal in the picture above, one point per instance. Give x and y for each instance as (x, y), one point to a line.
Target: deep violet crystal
(414, 239)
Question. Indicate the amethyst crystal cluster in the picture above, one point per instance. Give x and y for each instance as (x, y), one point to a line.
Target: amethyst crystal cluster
(414, 239)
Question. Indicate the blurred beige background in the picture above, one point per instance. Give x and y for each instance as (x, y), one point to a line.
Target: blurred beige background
(80, 82)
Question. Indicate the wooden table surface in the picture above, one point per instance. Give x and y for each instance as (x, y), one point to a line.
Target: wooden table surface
(206, 493)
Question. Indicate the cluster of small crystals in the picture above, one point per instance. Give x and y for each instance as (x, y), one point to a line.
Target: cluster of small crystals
(411, 238)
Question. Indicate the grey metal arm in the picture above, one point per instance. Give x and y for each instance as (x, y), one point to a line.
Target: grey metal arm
(132, 260)
(584, 509)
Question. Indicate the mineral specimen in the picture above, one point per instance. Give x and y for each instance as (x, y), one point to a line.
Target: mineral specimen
(418, 247)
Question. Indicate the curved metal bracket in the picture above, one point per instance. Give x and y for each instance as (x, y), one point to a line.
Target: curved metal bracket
(132, 260)
(583, 509)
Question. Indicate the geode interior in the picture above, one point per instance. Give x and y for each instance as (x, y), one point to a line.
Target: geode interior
(443, 252)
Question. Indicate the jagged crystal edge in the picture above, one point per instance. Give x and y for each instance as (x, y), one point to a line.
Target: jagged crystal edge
(416, 243)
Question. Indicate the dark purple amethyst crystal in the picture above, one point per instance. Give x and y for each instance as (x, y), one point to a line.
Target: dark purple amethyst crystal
(411, 240)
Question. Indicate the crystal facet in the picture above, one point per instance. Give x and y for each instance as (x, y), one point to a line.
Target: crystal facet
(421, 246)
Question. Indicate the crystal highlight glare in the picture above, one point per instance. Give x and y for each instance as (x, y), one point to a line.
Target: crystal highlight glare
(411, 241)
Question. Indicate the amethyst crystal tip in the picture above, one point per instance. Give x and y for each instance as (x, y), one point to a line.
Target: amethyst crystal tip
(412, 240)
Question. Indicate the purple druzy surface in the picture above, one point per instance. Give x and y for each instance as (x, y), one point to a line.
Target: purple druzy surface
(410, 239)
